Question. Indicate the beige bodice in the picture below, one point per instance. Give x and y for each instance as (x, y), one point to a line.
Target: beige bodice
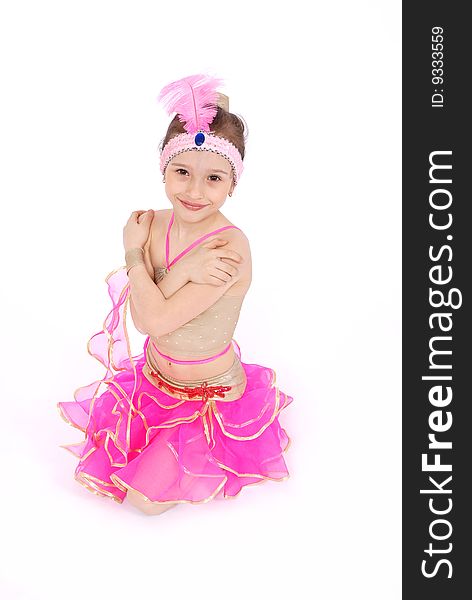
(206, 334)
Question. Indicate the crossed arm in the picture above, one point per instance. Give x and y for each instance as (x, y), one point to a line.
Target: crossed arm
(169, 284)
(159, 309)
(159, 315)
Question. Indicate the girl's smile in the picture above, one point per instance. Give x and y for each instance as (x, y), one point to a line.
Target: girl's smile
(191, 205)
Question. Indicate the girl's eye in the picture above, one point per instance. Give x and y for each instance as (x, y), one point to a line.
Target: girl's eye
(184, 172)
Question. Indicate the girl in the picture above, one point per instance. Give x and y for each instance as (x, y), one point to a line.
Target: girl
(186, 420)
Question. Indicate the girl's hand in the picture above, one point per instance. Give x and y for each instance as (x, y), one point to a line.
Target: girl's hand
(136, 231)
(211, 263)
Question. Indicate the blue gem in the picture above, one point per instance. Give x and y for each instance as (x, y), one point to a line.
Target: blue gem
(199, 139)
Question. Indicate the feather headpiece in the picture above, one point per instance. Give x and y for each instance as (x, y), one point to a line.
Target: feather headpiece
(195, 100)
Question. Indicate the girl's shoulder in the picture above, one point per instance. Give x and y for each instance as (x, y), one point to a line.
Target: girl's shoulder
(236, 237)
(235, 234)
(238, 241)
(161, 218)
(153, 250)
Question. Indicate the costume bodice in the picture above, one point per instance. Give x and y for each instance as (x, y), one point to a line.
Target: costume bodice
(208, 332)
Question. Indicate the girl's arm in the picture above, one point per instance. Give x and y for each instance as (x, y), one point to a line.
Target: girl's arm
(172, 281)
(160, 315)
(200, 266)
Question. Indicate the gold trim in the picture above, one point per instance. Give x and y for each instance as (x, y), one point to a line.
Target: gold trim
(65, 446)
(258, 418)
(61, 412)
(114, 477)
(211, 413)
(261, 430)
(257, 475)
(83, 479)
(232, 497)
(289, 443)
(88, 453)
(128, 346)
(98, 480)
(284, 450)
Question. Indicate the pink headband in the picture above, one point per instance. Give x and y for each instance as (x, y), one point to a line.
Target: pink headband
(195, 100)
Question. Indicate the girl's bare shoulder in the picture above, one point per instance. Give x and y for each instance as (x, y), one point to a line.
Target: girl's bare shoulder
(153, 248)
(161, 218)
(238, 241)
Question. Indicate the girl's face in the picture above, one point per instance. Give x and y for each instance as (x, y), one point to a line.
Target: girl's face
(197, 183)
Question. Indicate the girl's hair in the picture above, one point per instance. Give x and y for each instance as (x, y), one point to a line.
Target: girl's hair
(225, 124)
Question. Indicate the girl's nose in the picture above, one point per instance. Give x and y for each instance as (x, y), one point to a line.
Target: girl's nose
(194, 188)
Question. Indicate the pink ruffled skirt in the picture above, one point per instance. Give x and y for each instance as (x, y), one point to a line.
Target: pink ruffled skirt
(137, 437)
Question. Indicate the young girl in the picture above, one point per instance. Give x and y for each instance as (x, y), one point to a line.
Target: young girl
(186, 420)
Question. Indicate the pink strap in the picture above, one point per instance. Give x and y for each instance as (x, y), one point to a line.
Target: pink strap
(195, 243)
(192, 362)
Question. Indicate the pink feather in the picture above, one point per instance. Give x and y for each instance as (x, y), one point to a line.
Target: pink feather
(194, 99)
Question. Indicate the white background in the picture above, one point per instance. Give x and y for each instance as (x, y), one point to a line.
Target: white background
(319, 85)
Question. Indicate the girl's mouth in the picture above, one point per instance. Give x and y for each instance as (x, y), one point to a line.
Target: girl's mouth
(192, 205)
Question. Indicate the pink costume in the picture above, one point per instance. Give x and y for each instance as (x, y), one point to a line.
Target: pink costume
(169, 441)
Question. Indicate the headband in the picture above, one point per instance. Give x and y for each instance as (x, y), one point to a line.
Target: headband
(195, 100)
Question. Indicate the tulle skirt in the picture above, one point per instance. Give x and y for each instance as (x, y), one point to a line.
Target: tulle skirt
(170, 450)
